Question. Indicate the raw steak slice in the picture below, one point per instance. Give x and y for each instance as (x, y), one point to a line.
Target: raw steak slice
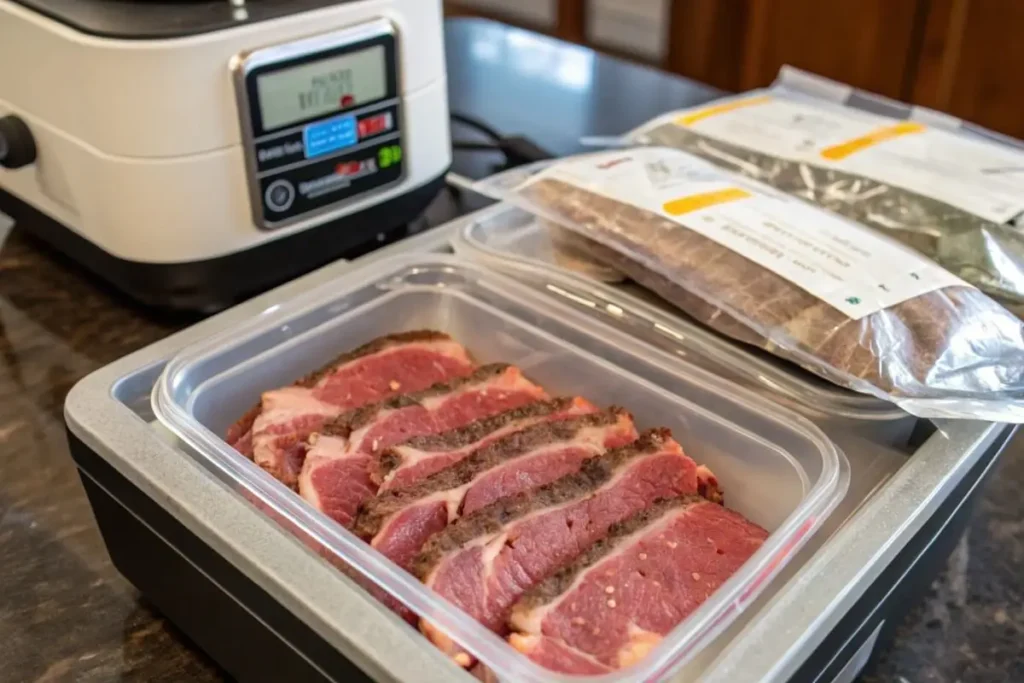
(485, 562)
(398, 363)
(401, 521)
(622, 596)
(489, 390)
(335, 477)
(287, 417)
(365, 380)
(419, 457)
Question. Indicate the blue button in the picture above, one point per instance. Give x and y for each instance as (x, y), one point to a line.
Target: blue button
(329, 136)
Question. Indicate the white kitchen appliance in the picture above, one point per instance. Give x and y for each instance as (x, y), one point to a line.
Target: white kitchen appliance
(196, 152)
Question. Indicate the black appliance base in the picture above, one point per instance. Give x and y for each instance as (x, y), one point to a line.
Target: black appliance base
(213, 284)
(905, 581)
(238, 624)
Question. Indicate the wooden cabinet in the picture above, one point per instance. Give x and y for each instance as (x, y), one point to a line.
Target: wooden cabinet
(957, 56)
(971, 57)
(742, 43)
(867, 43)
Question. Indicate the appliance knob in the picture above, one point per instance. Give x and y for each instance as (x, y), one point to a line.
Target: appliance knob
(17, 147)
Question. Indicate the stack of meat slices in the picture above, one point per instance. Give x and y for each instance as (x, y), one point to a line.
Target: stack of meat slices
(551, 521)
(275, 431)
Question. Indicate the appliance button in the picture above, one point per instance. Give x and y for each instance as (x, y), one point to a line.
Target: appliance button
(279, 195)
(17, 147)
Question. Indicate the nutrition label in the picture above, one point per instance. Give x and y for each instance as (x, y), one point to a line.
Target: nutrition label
(849, 267)
(977, 176)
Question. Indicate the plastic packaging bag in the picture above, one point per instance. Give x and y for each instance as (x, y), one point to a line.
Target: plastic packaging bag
(949, 194)
(572, 252)
(848, 304)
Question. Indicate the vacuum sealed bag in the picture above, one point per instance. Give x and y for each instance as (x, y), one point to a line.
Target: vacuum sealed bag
(843, 301)
(948, 193)
(575, 253)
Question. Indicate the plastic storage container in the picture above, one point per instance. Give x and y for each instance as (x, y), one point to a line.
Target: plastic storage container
(776, 468)
(514, 242)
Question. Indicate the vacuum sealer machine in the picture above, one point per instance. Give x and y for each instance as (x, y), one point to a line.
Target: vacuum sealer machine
(195, 153)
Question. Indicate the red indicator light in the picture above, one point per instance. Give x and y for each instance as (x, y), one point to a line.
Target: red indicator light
(348, 100)
(374, 125)
(348, 168)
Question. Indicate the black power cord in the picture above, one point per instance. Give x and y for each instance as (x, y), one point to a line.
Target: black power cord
(517, 149)
(477, 125)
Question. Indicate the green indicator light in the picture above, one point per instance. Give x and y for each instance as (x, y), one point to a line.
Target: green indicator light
(389, 156)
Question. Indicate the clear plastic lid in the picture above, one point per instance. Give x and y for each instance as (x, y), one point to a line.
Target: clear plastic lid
(515, 242)
(777, 469)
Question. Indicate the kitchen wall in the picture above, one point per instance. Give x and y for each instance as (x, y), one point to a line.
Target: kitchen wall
(958, 56)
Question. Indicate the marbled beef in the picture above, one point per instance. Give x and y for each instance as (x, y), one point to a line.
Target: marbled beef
(335, 476)
(486, 561)
(401, 521)
(274, 432)
(418, 458)
(619, 599)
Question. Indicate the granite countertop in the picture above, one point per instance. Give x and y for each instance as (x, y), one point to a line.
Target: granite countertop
(67, 615)
(65, 612)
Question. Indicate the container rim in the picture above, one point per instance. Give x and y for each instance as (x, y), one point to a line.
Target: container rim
(832, 400)
(694, 632)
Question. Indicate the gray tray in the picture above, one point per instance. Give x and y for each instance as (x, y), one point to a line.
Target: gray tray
(891, 498)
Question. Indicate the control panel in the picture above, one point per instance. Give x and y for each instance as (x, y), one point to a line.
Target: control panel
(322, 121)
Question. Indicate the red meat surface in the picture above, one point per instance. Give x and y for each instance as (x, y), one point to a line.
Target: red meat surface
(485, 562)
(336, 473)
(418, 458)
(619, 599)
(400, 522)
(274, 433)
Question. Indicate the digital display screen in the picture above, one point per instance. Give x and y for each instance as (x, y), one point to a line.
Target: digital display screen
(318, 88)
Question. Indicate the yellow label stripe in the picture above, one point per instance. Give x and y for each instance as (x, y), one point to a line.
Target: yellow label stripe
(696, 202)
(716, 109)
(845, 149)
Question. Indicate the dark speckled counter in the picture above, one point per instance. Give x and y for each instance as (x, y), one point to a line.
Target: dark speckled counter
(66, 614)
(970, 628)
